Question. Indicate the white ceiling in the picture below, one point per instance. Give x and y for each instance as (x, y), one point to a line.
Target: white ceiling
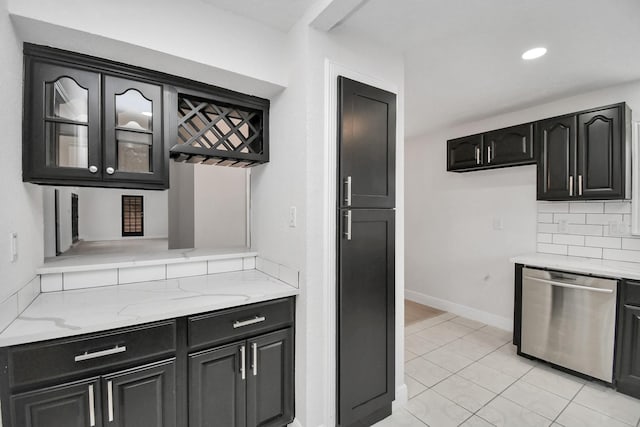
(463, 56)
(279, 14)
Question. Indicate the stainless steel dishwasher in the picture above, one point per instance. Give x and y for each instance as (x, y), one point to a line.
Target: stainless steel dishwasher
(569, 320)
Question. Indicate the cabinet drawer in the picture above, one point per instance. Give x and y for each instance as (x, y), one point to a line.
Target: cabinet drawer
(631, 293)
(215, 328)
(40, 362)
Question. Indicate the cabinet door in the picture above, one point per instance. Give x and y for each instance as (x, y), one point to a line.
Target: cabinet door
(366, 311)
(366, 145)
(513, 145)
(133, 131)
(556, 148)
(270, 380)
(601, 163)
(69, 405)
(62, 127)
(628, 370)
(217, 387)
(141, 397)
(465, 153)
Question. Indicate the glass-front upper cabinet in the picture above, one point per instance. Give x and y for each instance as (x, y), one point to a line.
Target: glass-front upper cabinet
(133, 130)
(63, 117)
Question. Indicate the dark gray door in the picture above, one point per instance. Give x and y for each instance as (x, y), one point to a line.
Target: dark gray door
(217, 389)
(141, 397)
(628, 371)
(510, 145)
(70, 405)
(366, 311)
(270, 380)
(600, 173)
(367, 141)
(556, 148)
(465, 153)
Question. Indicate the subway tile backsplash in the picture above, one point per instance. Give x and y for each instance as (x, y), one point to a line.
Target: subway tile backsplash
(599, 230)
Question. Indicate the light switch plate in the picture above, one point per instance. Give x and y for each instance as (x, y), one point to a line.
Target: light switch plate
(563, 226)
(13, 246)
(293, 219)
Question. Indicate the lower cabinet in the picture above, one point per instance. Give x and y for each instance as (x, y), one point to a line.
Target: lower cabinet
(628, 351)
(141, 397)
(246, 383)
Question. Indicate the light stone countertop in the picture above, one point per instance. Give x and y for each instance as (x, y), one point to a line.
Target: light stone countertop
(599, 267)
(68, 313)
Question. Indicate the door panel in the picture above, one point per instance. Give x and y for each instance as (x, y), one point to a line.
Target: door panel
(628, 380)
(465, 153)
(509, 146)
(133, 131)
(600, 154)
(69, 405)
(216, 387)
(141, 397)
(270, 380)
(367, 141)
(366, 307)
(556, 147)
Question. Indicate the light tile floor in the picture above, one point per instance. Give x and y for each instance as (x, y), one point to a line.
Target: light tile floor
(460, 372)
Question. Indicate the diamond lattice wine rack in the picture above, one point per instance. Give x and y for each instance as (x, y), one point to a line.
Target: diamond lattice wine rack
(219, 133)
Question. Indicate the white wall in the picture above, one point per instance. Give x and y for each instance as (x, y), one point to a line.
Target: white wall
(100, 213)
(21, 210)
(220, 207)
(64, 217)
(455, 259)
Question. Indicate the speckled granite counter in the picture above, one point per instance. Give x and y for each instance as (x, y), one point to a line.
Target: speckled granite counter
(68, 313)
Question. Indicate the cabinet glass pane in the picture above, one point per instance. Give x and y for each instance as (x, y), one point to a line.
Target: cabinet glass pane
(67, 145)
(65, 99)
(133, 111)
(134, 151)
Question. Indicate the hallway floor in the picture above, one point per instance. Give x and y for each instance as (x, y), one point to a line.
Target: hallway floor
(460, 372)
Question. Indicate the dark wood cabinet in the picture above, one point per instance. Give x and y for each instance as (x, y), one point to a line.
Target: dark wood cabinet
(500, 148)
(366, 306)
(142, 397)
(70, 405)
(367, 140)
(628, 340)
(583, 156)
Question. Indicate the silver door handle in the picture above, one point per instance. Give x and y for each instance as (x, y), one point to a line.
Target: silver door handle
(254, 346)
(93, 169)
(347, 232)
(110, 170)
(477, 155)
(571, 185)
(241, 323)
(92, 407)
(87, 356)
(579, 185)
(110, 400)
(243, 363)
(489, 154)
(567, 285)
(347, 197)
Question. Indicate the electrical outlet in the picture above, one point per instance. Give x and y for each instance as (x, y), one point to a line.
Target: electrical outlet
(13, 247)
(616, 228)
(293, 219)
(563, 226)
(498, 223)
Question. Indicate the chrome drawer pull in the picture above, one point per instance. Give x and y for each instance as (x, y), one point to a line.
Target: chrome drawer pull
(241, 323)
(567, 285)
(88, 356)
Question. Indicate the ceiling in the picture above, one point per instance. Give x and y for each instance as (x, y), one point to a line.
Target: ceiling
(279, 14)
(463, 56)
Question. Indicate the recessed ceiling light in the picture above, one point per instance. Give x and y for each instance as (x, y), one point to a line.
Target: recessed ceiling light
(534, 53)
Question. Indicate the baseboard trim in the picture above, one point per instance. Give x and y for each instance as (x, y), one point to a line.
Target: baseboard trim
(402, 397)
(460, 310)
(295, 423)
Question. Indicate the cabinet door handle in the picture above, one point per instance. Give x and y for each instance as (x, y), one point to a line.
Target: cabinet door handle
(579, 185)
(488, 154)
(477, 155)
(347, 232)
(254, 346)
(93, 169)
(347, 196)
(570, 185)
(92, 407)
(243, 363)
(241, 323)
(110, 170)
(87, 356)
(110, 400)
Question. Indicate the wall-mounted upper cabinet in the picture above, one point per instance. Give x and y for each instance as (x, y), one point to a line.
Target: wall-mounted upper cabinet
(510, 146)
(584, 155)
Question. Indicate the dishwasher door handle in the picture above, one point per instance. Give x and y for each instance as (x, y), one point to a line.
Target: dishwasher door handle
(567, 285)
